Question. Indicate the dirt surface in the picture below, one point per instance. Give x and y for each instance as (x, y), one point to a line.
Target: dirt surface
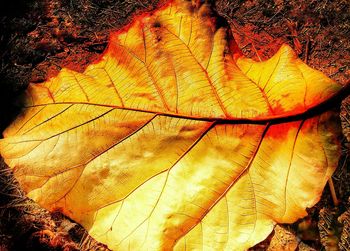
(38, 38)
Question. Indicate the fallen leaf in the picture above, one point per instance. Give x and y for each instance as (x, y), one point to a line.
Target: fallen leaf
(327, 226)
(174, 140)
(303, 247)
(344, 242)
(283, 240)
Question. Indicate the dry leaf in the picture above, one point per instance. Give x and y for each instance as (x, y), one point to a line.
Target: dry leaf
(283, 240)
(303, 247)
(328, 229)
(344, 242)
(174, 140)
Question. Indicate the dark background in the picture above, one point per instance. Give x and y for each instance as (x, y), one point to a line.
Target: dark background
(39, 37)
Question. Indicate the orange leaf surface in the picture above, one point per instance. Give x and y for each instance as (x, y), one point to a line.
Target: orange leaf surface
(174, 140)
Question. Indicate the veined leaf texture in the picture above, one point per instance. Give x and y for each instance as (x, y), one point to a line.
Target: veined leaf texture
(175, 141)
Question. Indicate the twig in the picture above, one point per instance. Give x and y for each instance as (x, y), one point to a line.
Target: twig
(307, 50)
(333, 193)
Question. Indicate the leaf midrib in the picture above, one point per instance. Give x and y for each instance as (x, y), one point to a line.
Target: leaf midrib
(328, 104)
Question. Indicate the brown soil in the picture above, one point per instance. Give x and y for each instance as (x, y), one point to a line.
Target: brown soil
(38, 38)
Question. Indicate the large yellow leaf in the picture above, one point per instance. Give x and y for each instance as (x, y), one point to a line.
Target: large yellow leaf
(173, 140)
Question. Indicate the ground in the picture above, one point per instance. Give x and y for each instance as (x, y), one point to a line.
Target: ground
(39, 37)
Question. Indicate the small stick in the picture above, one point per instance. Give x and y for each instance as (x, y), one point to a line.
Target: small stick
(256, 51)
(307, 50)
(333, 193)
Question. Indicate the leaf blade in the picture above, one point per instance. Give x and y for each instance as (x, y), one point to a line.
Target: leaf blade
(169, 131)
